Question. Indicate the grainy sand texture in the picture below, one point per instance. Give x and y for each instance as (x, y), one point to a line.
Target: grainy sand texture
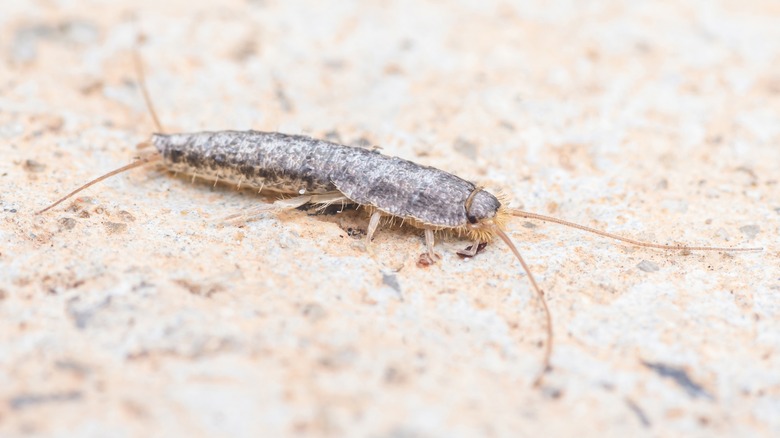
(133, 310)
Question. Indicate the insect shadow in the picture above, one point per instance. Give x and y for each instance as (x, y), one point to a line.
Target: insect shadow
(307, 171)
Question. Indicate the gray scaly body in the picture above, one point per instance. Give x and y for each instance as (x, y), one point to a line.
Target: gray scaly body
(297, 164)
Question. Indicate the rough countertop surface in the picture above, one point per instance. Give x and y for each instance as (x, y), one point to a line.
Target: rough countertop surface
(133, 310)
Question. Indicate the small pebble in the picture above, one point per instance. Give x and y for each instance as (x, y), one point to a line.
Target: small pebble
(34, 166)
(750, 231)
(313, 311)
(126, 216)
(648, 266)
(115, 227)
(392, 281)
(67, 223)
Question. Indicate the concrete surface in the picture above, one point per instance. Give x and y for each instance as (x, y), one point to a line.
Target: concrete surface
(134, 312)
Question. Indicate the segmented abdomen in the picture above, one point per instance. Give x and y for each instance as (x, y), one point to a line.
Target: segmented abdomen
(297, 164)
(272, 161)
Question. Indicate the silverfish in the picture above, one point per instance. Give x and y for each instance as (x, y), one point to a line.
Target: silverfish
(321, 173)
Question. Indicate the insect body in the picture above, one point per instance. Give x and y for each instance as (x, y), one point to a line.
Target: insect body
(321, 172)
(300, 165)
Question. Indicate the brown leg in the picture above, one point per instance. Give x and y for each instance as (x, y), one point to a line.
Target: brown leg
(429, 243)
(471, 251)
(429, 257)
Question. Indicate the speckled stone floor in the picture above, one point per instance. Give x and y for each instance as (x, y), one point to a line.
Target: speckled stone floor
(134, 311)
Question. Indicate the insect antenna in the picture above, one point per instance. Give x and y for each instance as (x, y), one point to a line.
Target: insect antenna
(139, 70)
(149, 158)
(529, 215)
(540, 294)
(139, 162)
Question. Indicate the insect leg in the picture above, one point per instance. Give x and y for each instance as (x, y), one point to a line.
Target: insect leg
(429, 243)
(471, 251)
(328, 199)
(278, 205)
(286, 204)
(373, 223)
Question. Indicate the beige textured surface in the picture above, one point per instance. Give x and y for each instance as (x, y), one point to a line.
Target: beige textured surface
(133, 312)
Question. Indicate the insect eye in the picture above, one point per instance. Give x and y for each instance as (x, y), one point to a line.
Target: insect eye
(472, 219)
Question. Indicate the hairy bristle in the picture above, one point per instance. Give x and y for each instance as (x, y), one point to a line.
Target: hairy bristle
(478, 234)
(502, 217)
(503, 197)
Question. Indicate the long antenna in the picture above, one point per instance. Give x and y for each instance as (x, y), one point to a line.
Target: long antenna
(529, 215)
(139, 162)
(139, 69)
(540, 294)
